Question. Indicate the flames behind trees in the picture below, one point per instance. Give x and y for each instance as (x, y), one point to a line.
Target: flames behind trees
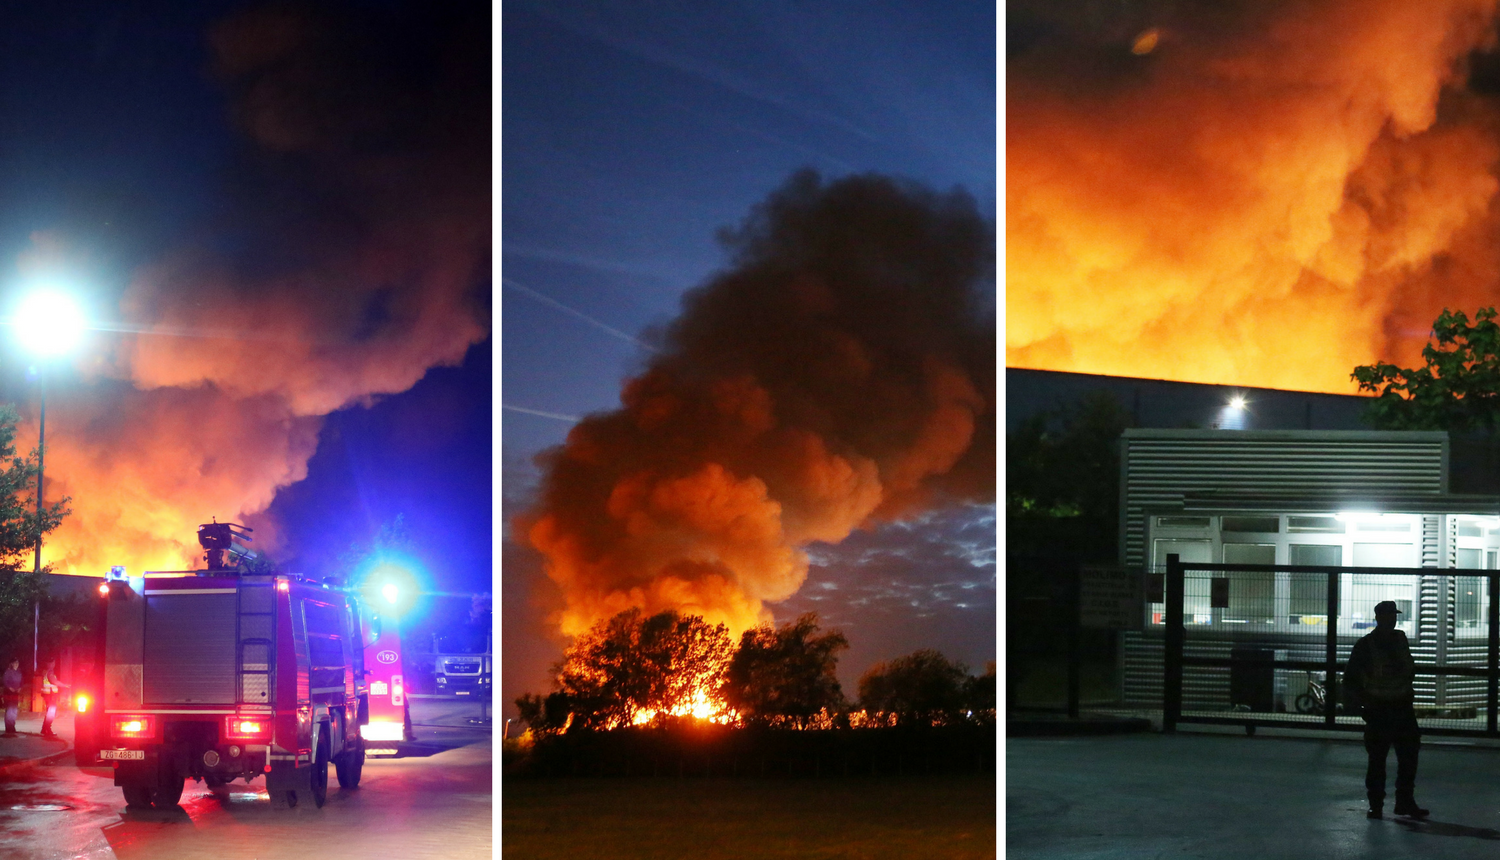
(1270, 195)
(839, 373)
(630, 670)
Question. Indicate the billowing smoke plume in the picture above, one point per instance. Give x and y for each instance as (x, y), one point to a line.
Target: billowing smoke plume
(363, 204)
(840, 373)
(1257, 193)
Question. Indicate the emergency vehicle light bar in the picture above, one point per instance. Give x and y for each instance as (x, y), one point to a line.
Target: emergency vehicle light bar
(133, 727)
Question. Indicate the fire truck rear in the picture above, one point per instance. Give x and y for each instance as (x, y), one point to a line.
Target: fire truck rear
(218, 674)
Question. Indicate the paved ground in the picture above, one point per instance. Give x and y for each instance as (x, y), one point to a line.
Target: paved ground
(1229, 796)
(433, 800)
(30, 745)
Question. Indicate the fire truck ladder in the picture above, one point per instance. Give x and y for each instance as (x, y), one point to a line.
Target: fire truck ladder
(257, 626)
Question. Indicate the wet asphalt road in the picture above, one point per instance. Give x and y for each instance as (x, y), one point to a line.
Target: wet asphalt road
(432, 801)
(1225, 796)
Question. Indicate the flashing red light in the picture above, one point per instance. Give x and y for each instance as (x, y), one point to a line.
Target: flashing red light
(283, 585)
(133, 727)
(103, 589)
(82, 704)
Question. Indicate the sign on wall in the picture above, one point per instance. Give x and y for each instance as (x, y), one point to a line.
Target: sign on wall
(1110, 598)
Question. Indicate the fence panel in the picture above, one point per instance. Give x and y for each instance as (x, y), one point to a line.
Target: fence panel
(1263, 644)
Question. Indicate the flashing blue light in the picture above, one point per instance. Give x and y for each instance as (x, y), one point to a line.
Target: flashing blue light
(116, 574)
(396, 582)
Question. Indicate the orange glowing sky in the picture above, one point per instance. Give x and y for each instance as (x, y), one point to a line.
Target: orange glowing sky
(1260, 194)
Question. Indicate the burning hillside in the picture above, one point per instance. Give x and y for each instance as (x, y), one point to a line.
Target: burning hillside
(1262, 194)
(840, 373)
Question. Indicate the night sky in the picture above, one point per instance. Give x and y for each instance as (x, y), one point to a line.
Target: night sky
(277, 216)
(630, 135)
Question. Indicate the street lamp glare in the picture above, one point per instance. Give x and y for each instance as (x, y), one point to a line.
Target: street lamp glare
(49, 323)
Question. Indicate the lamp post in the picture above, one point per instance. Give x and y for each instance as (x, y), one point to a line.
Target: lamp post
(48, 324)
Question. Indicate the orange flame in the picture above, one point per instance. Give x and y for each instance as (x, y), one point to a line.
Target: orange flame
(1267, 204)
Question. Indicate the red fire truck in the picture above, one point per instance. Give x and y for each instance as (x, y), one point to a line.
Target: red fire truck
(389, 712)
(219, 674)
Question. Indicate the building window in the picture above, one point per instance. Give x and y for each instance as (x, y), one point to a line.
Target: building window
(1470, 602)
(1195, 597)
(1182, 522)
(1315, 525)
(1361, 591)
(1308, 592)
(1384, 554)
(1251, 525)
(1251, 594)
(1382, 525)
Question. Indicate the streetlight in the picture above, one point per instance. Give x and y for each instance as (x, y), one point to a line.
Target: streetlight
(1232, 416)
(48, 324)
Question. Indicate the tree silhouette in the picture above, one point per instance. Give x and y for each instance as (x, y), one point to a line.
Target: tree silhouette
(921, 688)
(979, 700)
(1457, 389)
(629, 666)
(785, 673)
(20, 588)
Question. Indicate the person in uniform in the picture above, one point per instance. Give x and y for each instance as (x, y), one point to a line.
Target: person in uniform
(50, 689)
(1379, 680)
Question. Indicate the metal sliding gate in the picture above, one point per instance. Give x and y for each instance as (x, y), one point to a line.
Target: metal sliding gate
(1266, 645)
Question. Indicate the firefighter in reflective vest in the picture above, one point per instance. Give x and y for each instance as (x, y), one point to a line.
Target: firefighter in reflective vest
(50, 686)
(1378, 679)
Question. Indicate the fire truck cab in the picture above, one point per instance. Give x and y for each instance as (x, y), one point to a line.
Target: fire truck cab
(217, 675)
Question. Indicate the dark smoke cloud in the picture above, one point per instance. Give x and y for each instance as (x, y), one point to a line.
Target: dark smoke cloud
(351, 254)
(840, 373)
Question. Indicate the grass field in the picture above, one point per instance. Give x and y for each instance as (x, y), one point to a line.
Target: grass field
(710, 819)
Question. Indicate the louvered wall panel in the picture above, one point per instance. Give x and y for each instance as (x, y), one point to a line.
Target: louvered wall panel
(1432, 543)
(1158, 466)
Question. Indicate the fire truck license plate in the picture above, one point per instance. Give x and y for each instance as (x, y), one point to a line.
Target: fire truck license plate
(123, 755)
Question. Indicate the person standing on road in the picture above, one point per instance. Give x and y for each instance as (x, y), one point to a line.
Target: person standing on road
(1379, 680)
(50, 689)
(10, 692)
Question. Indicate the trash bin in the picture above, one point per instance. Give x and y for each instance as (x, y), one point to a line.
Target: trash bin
(1252, 678)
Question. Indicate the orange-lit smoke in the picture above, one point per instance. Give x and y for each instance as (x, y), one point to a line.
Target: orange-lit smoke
(840, 372)
(368, 206)
(1262, 194)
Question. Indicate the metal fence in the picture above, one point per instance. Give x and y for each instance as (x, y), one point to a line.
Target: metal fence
(1266, 645)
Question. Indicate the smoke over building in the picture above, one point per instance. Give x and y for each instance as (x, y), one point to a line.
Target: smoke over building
(839, 373)
(350, 254)
(1263, 194)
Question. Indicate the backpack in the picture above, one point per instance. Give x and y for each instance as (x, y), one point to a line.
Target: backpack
(1387, 677)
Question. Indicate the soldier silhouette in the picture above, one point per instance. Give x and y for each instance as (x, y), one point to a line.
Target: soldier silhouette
(1378, 679)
